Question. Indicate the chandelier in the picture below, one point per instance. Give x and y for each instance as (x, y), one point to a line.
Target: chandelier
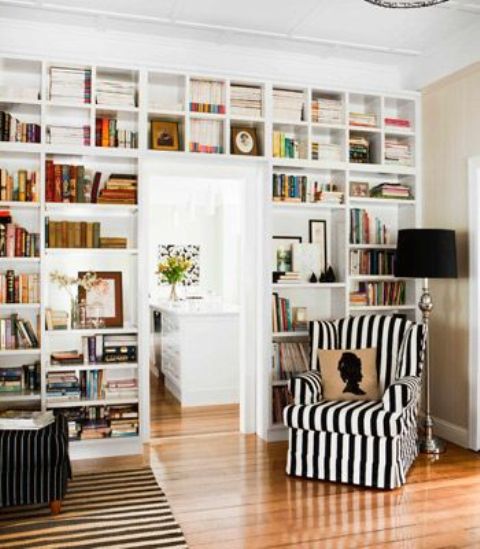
(406, 3)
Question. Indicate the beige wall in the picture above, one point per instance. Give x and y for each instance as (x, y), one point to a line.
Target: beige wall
(451, 134)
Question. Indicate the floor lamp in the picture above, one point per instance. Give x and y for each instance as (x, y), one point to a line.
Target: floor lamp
(426, 253)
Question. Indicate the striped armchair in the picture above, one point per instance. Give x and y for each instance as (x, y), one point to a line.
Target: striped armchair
(368, 443)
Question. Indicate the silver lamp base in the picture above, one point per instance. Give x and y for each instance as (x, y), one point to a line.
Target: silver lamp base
(431, 445)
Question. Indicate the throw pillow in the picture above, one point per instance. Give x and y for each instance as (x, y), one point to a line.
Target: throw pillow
(349, 374)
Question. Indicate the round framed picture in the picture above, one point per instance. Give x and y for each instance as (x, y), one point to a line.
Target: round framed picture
(244, 141)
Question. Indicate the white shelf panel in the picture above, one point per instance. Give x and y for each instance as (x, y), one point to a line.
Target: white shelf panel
(13, 100)
(92, 331)
(382, 169)
(370, 278)
(19, 397)
(365, 129)
(68, 104)
(90, 251)
(74, 403)
(382, 307)
(90, 151)
(286, 335)
(398, 132)
(326, 126)
(102, 441)
(19, 306)
(8, 146)
(245, 118)
(19, 260)
(306, 206)
(19, 352)
(372, 246)
(299, 123)
(207, 116)
(20, 205)
(305, 164)
(89, 367)
(354, 201)
(309, 286)
(165, 112)
(115, 108)
(81, 210)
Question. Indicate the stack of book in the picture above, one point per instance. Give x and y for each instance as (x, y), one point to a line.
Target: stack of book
(14, 420)
(330, 197)
(113, 242)
(326, 110)
(17, 333)
(372, 262)
(281, 314)
(19, 93)
(123, 420)
(20, 186)
(111, 348)
(22, 288)
(359, 149)
(288, 105)
(72, 234)
(65, 358)
(327, 151)
(63, 386)
(15, 241)
(246, 101)
(13, 130)
(20, 378)
(398, 151)
(397, 123)
(379, 294)
(289, 278)
(207, 96)
(286, 145)
(391, 190)
(95, 429)
(91, 384)
(67, 183)
(77, 136)
(71, 85)
(121, 388)
(367, 229)
(115, 92)
(56, 320)
(280, 399)
(107, 134)
(289, 359)
(368, 120)
(119, 189)
(206, 136)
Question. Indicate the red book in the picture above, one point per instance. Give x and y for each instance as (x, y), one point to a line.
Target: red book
(98, 132)
(57, 192)
(10, 247)
(95, 186)
(50, 180)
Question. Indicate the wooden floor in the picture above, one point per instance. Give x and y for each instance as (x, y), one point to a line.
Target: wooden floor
(169, 419)
(230, 491)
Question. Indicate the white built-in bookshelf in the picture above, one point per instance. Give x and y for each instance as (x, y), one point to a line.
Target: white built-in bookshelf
(169, 96)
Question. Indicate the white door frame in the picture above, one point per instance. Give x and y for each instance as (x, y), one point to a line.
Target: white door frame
(254, 175)
(474, 303)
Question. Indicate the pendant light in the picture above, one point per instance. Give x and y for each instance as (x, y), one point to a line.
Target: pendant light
(406, 3)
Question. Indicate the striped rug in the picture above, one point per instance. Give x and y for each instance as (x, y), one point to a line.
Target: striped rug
(119, 509)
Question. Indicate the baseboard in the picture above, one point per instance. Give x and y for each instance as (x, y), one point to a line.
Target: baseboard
(451, 432)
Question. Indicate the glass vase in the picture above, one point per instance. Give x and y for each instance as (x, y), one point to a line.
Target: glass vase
(173, 292)
(74, 314)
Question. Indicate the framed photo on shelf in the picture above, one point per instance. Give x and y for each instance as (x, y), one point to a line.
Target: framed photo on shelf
(164, 135)
(106, 301)
(244, 141)
(359, 189)
(317, 233)
(282, 252)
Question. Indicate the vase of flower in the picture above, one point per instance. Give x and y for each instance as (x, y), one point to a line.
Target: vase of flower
(74, 313)
(173, 270)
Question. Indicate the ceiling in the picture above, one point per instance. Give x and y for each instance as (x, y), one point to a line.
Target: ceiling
(348, 27)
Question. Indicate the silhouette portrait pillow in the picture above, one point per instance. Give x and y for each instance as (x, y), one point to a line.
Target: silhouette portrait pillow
(349, 374)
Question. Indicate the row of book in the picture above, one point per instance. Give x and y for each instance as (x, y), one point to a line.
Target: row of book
(21, 288)
(16, 241)
(115, 92)
(391, 190)
(79, 234)
(19, 186)
(396, 122)
(359, 149)
(367, 120)
(78, 136)
(327, 151)
(398, 152)
(367, 229)
(14, 130)
(372, 262)
(299, 188)
(282, 314)
(280, 399)
(288, 105)
(207, 96)
(206, 136)
(96, 349)
(17, 333)
(245, 100)
(379, 293)
(289, 359)
(20, 378)
(286, 145)
(70, 85)
(327, 110)
(97, 422)
(107, 134)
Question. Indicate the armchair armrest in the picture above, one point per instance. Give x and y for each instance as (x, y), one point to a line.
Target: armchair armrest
(401, 394)
(306, 388)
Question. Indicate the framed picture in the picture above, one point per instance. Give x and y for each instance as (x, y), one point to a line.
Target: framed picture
(308, 259)
(359, 189)
(107, 299)
(164, 135)
(244, 141)
(282, 252)
(317, 232)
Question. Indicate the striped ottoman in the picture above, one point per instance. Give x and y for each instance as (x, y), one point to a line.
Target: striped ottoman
(34, 465)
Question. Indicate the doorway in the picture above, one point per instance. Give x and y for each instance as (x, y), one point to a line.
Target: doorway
(211, 214)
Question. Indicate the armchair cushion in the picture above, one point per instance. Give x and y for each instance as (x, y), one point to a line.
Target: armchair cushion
(401, 394)
(357, 417)
(306, 388)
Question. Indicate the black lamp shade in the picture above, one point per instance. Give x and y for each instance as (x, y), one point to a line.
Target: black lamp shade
(426, 253)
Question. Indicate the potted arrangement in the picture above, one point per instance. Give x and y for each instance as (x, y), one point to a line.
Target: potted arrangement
(173, 270)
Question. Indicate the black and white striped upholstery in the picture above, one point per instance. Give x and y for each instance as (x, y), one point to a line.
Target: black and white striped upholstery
(370, 443)
(34, 465)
